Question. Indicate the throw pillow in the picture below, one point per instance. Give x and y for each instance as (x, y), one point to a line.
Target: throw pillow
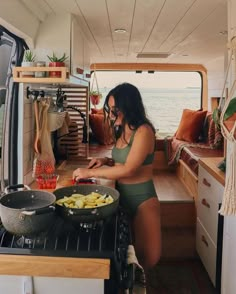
(100, 129)
(215, 137)
(97, 111)
(191, 125)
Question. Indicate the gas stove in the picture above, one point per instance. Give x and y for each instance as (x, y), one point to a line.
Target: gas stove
(107, 239)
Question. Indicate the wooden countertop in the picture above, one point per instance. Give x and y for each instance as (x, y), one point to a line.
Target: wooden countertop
(65, 171)
(47, 266)
(210, 164)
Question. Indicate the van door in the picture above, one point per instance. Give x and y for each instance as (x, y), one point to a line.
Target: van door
(11, 54)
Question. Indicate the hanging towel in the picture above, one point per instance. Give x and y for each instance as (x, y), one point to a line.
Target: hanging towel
(131, 257)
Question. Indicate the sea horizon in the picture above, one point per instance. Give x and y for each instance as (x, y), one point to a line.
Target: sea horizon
(164, 106)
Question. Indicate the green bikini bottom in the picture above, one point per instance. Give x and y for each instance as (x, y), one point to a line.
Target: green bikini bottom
(132, 195)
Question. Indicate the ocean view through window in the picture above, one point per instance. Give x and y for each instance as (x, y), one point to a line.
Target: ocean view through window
(165, 94)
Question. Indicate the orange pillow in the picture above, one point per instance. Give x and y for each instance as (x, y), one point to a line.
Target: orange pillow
(99, 129)
(191, 125)
(97, 111)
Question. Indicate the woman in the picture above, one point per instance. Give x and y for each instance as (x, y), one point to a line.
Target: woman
(131, 167)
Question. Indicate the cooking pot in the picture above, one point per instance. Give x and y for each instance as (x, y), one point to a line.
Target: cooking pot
(84, 215)
(26, 212)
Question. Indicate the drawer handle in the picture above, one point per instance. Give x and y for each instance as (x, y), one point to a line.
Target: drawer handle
(204, 241)
(205, 203)
(206, 183)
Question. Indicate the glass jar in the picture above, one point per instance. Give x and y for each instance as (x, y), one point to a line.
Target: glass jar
(40, 74)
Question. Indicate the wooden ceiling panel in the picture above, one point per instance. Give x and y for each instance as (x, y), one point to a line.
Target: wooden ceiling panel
(96, 20)
(120, 18)
(60, 6)
(198, 13)
(183, 27)
(39, 9)
(214, 41)
(145, 16)
(166, 24)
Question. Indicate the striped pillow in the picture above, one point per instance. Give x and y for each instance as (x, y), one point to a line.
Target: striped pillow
(215, 138)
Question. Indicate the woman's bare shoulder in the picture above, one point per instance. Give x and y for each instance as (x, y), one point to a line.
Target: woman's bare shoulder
(145, 128)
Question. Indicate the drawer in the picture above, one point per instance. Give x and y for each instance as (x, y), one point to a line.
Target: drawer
(210, 193)
(209, 186)
(207, 251)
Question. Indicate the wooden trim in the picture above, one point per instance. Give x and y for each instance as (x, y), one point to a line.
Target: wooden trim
(159, 67)
(93, 268)
(188, 178)
(204, 90)
(148, 66)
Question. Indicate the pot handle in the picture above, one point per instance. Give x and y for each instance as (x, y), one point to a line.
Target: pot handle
(39, 211)
(17, 186)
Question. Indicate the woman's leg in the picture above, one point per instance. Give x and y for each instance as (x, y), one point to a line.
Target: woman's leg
(147, 233)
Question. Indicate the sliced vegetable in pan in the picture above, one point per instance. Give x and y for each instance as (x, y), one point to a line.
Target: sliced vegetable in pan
(91, 200)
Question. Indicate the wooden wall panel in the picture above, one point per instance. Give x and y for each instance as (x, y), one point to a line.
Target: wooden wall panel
(72, 143)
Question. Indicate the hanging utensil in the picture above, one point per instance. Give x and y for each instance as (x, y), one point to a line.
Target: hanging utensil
(37, 144)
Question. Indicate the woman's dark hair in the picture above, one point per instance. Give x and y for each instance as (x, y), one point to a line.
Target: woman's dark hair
(129, 101)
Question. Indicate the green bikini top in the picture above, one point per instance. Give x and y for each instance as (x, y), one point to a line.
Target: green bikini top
(120, 154)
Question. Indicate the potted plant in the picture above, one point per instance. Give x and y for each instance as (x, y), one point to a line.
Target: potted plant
(95, 97)
(28, 61)
(56, 62)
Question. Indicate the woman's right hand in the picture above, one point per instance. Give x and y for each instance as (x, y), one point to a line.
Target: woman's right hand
(97, 162)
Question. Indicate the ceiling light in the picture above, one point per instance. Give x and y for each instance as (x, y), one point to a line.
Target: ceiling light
(120, 31)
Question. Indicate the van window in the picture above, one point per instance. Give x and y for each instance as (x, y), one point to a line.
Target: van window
(165, 94)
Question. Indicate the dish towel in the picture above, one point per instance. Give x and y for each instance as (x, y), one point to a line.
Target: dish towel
(131, 257)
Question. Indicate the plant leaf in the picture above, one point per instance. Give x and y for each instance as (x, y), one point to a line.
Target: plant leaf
(231, 109)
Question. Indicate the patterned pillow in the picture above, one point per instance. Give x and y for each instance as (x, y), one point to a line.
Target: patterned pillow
(215, 138)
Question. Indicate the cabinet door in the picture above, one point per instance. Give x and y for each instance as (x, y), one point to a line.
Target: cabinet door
(206, 250)
(210, 193)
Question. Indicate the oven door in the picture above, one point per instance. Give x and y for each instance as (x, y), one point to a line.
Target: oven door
(11, 54)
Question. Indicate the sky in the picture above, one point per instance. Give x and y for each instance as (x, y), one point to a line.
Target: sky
(110, 79)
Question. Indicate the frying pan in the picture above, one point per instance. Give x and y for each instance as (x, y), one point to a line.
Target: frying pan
(85, 215)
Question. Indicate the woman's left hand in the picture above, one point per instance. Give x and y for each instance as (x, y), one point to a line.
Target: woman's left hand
(81, 173)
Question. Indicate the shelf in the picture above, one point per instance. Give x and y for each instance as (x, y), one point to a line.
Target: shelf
(18, 77)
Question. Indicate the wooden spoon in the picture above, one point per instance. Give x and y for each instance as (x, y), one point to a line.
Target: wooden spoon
(37, 144)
